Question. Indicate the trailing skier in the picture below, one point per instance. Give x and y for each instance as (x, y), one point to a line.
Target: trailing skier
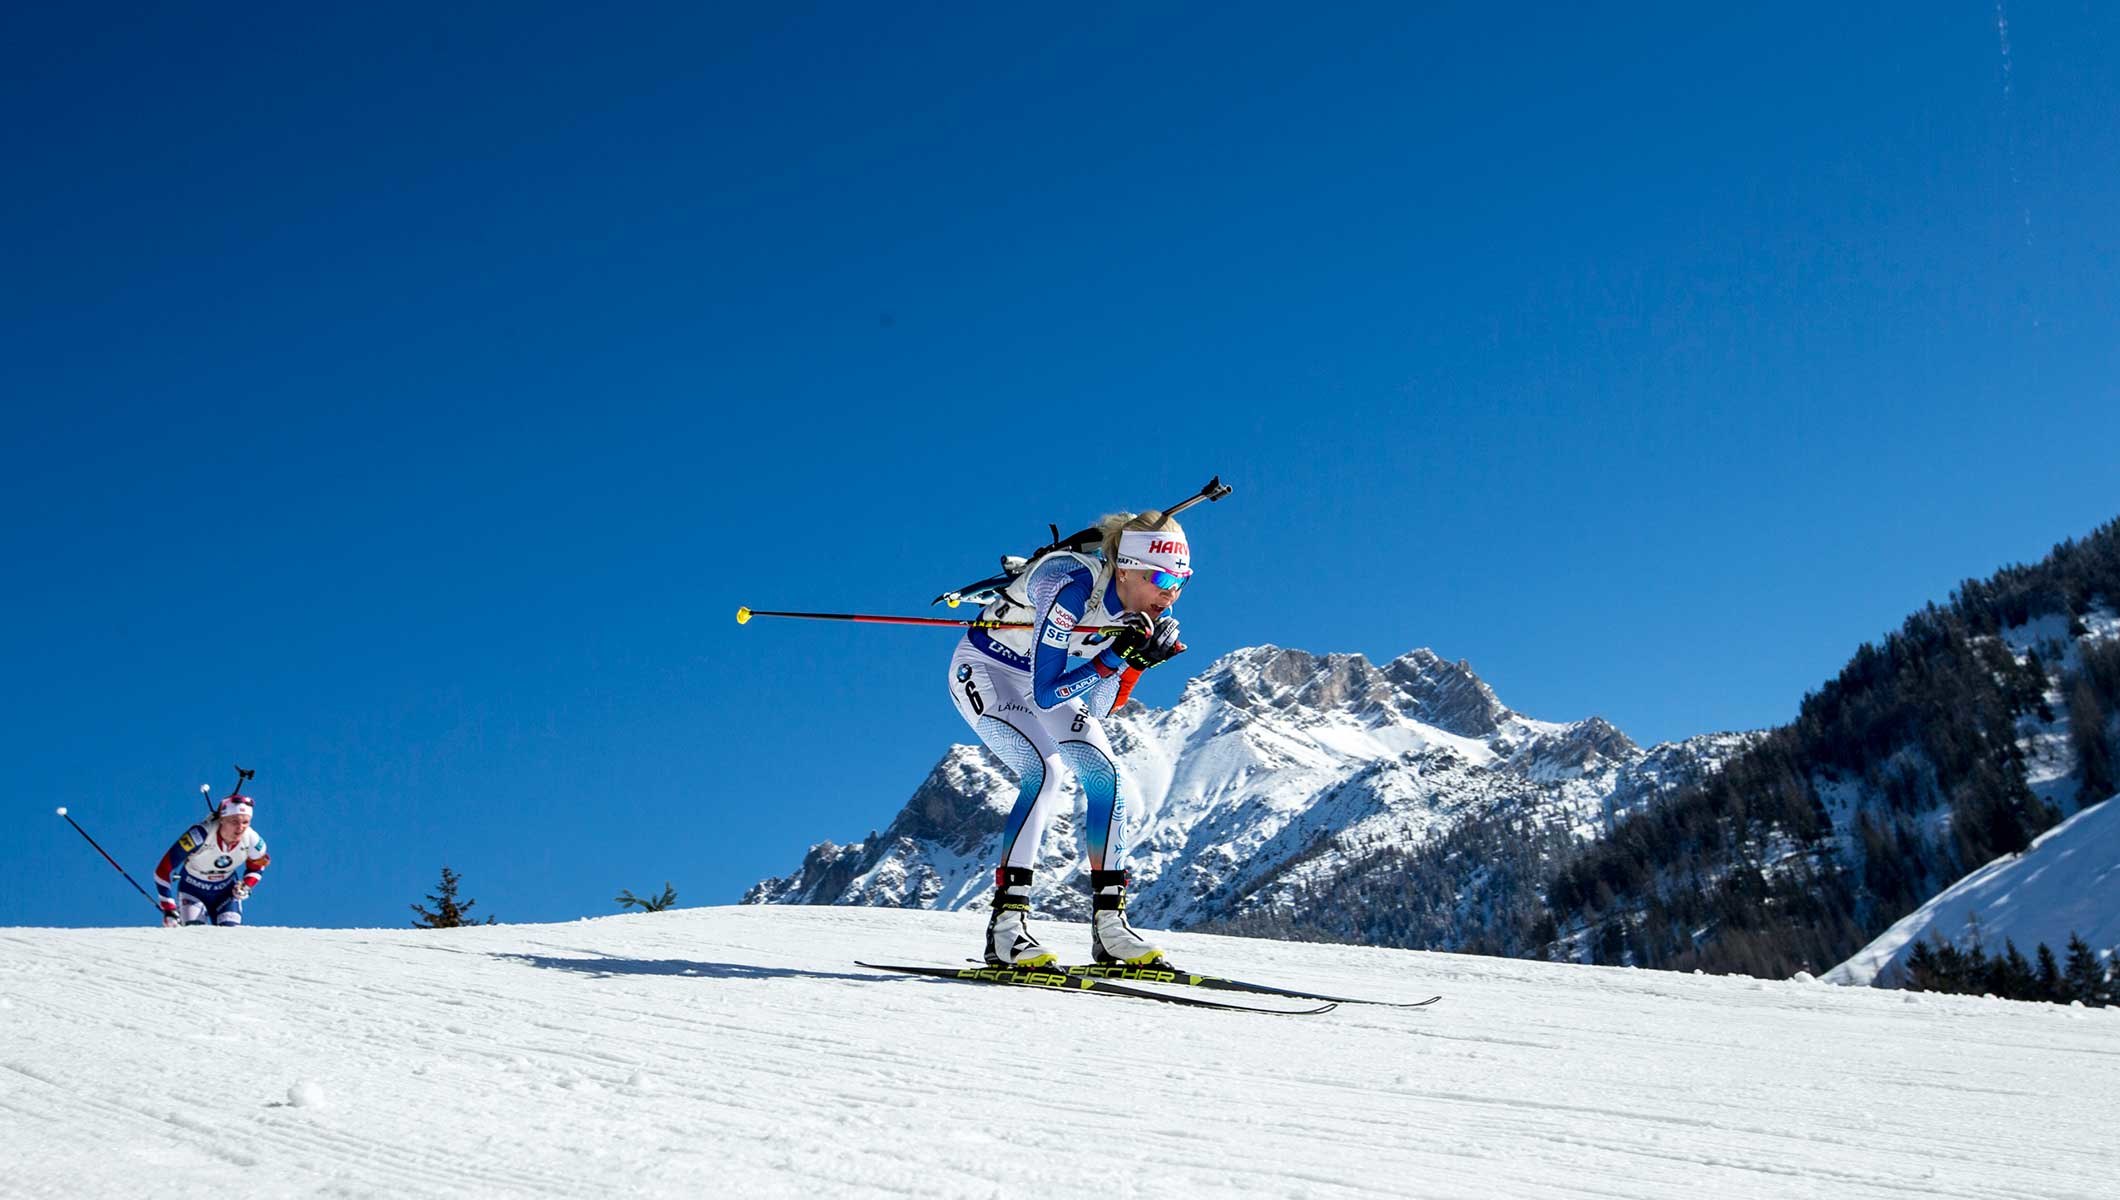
(1037, 697)
(212, 867)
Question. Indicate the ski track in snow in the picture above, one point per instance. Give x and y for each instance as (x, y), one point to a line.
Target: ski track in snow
(739, 1051)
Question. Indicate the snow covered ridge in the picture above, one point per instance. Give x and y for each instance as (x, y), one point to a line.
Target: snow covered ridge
(1275, 768)
(738, 1051)
(2067, 882)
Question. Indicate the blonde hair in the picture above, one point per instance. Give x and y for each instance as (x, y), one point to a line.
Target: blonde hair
(1114, 524)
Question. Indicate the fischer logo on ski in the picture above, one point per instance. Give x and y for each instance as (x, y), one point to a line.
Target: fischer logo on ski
(1063, 980)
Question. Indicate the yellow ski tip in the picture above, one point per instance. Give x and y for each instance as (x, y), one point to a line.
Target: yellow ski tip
(743, 616)
(953, 599)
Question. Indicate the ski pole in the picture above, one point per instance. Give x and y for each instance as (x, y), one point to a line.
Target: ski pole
(744, 615)
(206, 790)
(112, 861)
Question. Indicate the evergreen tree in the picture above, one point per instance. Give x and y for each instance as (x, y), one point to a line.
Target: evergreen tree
(652, 903)
(2036, 682)
(2048, 974)
(2012, 975)
(1938, 966)
(1920, 969)
(2084, 976)
(448, 913)
(2086, 718)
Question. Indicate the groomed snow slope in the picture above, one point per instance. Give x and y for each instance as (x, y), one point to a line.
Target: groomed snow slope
(738, 1051)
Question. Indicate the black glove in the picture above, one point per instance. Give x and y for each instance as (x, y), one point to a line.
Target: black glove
(1164, 644)
(1145, 641)
(1131, 632)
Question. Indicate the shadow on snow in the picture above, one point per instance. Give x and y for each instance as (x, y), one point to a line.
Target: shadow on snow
(607, 967)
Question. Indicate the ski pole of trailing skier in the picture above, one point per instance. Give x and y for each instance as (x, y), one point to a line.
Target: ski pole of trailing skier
(206, 791)
(112, 861)
(744, 615)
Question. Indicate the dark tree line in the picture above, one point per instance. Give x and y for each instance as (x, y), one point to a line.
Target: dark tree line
(1475, 889)
(1938, 966)
(2093, 693)
(1744, 872)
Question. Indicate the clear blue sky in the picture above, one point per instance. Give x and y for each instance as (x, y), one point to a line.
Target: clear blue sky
(401, 402)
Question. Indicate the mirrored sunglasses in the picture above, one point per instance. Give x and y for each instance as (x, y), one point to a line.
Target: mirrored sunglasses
(1165, 581)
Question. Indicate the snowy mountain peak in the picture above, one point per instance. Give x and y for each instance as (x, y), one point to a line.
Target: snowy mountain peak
(1273, 677)
(1276, 769)
(1418, 686)
(1447, 695)
(1569, 751)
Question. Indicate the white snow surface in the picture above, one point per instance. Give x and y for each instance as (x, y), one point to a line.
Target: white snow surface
(2067, 881)
(739, 1051)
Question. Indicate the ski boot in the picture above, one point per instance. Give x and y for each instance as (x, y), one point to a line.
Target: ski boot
(1112, 941)
(1008, 937)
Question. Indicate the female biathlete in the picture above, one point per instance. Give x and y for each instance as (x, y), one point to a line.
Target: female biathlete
(1039, 708)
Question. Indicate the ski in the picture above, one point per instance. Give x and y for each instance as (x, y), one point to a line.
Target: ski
(1213, 983)
(1059, 979)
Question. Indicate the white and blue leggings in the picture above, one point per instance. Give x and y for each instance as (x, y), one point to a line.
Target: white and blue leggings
(205, 904)
(1036, 743)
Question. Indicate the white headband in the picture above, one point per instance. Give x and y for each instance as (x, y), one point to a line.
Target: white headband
(1150, 550)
